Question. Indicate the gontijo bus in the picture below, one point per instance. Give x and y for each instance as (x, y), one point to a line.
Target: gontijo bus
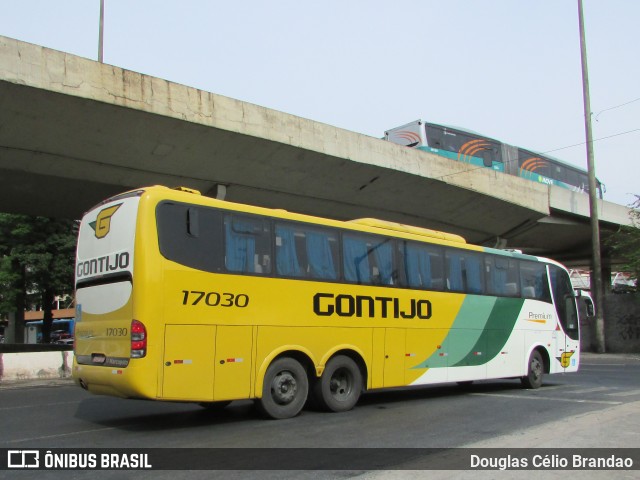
(186, 298)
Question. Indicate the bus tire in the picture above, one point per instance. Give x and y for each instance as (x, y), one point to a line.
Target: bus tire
(285, 389)
(340, 386)
(535, 371)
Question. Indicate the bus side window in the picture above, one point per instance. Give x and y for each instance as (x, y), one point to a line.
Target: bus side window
(423, 266)
(287, 262)
(487, 158)
(247, 244)
(534, 282)
(355, 260)
(434, 135)
(322, 254)
(464, 272)
(502, 276)
(368, 260)
(305, 252)
(564, 299)
(492, 154)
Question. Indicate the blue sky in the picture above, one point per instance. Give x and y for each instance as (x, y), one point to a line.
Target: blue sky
(509, 69)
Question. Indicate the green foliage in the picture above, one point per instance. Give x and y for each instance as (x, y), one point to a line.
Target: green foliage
(36, 256)
(626, 242)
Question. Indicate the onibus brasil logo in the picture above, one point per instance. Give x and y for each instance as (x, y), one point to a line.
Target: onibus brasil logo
(102, 225)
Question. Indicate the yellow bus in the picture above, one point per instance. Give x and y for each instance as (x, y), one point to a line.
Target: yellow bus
(182, 297)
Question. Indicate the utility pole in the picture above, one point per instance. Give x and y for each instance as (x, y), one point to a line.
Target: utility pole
(596, 276)
(101, 33)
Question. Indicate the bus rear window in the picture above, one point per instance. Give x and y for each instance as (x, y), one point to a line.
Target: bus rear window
(212, 240)
(191, 236)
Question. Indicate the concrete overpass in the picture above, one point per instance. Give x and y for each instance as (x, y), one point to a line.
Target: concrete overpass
(74, 131)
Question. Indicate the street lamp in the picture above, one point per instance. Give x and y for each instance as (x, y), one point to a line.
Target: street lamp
(101, 33)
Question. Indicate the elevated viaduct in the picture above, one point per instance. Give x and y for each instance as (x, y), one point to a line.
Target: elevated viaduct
(74, 131)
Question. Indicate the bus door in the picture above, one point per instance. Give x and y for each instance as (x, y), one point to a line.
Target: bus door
(394, 355)
(188, 363)
(567, 335)
(234, 346)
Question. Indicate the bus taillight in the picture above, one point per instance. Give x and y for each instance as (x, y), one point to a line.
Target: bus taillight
(138, 339)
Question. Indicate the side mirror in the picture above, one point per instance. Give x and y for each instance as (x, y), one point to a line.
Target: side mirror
(591, 311)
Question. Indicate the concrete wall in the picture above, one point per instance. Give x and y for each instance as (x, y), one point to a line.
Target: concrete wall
(35, 365)
(622, 325)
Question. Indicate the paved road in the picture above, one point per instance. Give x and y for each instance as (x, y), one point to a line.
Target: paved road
(598, 407)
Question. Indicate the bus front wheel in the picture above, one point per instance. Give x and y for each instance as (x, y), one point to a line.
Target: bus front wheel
(535, 371)
(285, 389)
(339, 387)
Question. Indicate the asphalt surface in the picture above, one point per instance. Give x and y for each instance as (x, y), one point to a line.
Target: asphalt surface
(597, 408)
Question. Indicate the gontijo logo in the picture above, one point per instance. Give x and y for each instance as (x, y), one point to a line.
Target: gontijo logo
(102, 225)
(565, 359)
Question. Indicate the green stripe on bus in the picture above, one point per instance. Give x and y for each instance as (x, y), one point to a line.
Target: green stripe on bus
(465, 332)
(502, 319)
(468, 326)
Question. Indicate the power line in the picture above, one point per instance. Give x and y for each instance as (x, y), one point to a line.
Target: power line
(595, 140)
(613, 108)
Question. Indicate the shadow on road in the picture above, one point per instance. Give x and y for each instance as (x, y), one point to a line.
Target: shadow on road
(149, 416)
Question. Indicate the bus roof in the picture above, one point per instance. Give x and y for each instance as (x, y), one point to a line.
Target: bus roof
(399, 227)
(371, 225)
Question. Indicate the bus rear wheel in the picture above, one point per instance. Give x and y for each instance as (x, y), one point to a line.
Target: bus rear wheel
(285, 389)
(339, 387)
(535, 371)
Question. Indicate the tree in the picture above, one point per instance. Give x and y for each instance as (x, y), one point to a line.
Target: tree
(36, 263)
(625, 243)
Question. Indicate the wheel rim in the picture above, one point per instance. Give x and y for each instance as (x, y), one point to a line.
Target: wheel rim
(284, 388)
(341, 384)
(536, 368)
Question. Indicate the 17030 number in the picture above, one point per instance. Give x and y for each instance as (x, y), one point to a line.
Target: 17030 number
(215, 299)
